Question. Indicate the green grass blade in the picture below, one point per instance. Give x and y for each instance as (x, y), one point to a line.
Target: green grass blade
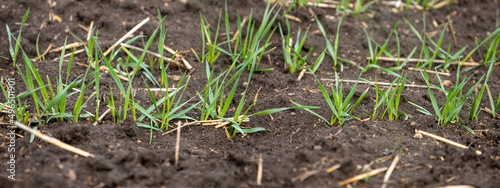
(310, 111)
(144, 112)
(255, 129)
(421, 109)
(318, 61)
(139, 124)
(431, 95)
(60, 115)
(275, 110)
(359, 100)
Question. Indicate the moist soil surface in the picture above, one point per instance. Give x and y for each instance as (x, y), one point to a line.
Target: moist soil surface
(298, 149)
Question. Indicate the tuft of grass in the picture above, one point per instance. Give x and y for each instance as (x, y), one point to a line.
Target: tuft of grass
(360, 6)
(343, 7)
(438, 47)
(341, 108)
(298, 63)
(490, 58)
(214, 93)
(426, 50)
(77, 109)
(250, 49)
(216, 100)
(51, 103)
(209, 41)
(389, 100)
(455, 99)
(474, 112)
(19, 110)
(494, 108)
(137, 65)
(375, 54)
(333, 50)
(491, 50)
(167, 108)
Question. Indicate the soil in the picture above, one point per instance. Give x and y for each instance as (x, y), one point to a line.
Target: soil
(298, 148)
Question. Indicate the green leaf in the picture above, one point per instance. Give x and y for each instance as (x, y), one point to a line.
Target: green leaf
(62, 94)
(144, 112)
(310, 111)
(60, 115)
(147, 126)
(431, 95)
(421, 109)
(256, 129)
(275, 110)
(32, 137)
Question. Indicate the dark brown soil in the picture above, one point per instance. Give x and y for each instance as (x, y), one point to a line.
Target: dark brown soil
(125, 158)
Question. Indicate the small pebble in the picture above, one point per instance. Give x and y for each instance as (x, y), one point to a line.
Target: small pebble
(176, 78)
(72, 175)
(446, 83)
(317, 147)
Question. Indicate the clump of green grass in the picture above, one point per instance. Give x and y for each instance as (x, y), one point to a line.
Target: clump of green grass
(389, 100)
(17, 110)
(474, 112)
(333, 49)
(492, 54)
(94, 57)
(93, 61)
(491, 58)
(343, 7)
(137, 66)
(209, 41)
(298, 62)
(216, 100)
(438, 52)
(168, 107)
(341, 108)
(52, 102)
(246, 50)
(360, 6)
(430, 60)
(376, 53)
(455, 100)
(214, 93)
(250, 49)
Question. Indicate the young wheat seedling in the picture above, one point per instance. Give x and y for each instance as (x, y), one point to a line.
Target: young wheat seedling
(341, 109)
